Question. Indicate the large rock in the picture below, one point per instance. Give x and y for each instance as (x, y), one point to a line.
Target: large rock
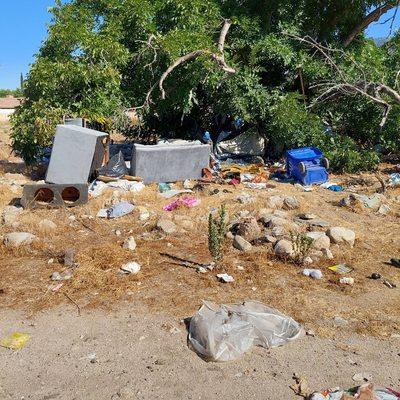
(320, 240)
(47, 225)
(241, 244)
(16, 239)
(354, 200)
(291, 203)
(10, 214)
(341, 235)
(249, 229)
(166, 226)
(284, 248)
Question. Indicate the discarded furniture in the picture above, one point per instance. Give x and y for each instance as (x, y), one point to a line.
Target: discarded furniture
(77, 152)
(54, 195)
(307, 165)
(169, 162)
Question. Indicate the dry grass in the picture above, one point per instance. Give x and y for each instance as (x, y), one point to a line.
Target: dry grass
(370, 307)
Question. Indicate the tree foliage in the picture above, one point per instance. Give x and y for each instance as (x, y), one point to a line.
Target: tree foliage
(106, 55)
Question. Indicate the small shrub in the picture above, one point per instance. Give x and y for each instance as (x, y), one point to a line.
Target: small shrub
(216, 234)
(301, 246)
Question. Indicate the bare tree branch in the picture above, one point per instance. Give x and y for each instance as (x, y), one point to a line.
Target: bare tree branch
(218, 58)
(369, 19)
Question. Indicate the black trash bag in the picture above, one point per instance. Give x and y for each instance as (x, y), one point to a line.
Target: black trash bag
(115, 168)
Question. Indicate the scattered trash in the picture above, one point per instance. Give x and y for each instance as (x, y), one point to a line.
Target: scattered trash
(131, 268)
(16, 341)
(389, 284)
(116, 211)
(164, 187)
(394, 179)
(226, 332)
(98, 187)
(187, 201)
(313, 273)
(57, 287)
(335, 188)
(375, 276)
(69, 257)
(341, 269)
(364, 392)
(347, 281)
(225, 278)
(395, 262)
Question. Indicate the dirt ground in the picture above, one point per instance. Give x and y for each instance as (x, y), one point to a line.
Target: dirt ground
(126, 320)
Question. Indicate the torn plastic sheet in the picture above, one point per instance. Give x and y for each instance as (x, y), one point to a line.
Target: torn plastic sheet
(226, 332)
(117, 210)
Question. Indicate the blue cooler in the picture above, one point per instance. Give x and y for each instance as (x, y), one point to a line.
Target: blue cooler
(307, 165)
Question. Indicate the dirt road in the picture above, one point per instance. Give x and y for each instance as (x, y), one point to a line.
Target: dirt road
(140, 356)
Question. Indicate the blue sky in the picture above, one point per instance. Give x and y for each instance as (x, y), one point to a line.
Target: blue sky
(23, 27)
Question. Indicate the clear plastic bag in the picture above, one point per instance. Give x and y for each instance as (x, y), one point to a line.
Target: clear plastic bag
(226, 332)
(115, 168)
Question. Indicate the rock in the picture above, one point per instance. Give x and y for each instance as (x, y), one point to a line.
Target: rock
(320, 240)
(316, 255)
(271, 239)
(291, 203)
(354, 200)
(249, 229)
(362, 377)
(384, 209)
(10, 215)
(245, 198)
(144, 214)
(16, 239)
(307, 217)
(230, 235)
(327, 254)
(47, 225)
(64, 276)
(130, 244)
(283, 248)
(278, 231)
(131, 268)
(313, 273)
(339, 235)
(275, 202)
(281, 213)
(313, 222)
(166, 226)
(262, 212)
(241, 244)
(278, 221)
(339, 321)
(308, 261)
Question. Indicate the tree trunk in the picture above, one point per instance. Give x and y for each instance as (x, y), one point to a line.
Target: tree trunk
(368, 20)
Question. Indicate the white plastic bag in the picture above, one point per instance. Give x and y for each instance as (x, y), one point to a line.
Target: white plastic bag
(226, 332)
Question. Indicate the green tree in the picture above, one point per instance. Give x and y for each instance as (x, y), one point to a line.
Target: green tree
(187, 64)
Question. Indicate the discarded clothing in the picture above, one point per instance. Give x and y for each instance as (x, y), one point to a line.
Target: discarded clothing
(117, 210)
(187, 201)
(226, 332)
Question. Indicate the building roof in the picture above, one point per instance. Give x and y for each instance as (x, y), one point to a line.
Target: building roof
(9, 102)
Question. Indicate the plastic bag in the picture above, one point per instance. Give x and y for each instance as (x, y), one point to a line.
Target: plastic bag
(117, 210)
(226, 332)
(115, 168)
(16, 341)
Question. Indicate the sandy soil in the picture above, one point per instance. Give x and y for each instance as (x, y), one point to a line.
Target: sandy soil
(137, 357)
(126, 320)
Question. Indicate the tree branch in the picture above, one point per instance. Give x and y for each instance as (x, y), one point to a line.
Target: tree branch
(369, 19)
(218, 58)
